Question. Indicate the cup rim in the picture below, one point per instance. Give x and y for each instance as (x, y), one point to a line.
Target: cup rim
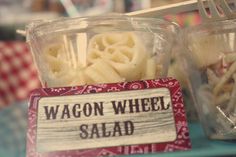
(38, 24)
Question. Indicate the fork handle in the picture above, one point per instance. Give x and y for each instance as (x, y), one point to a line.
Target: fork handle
(186, 6)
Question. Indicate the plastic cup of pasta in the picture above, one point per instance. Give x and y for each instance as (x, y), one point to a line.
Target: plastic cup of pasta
(211, 62)
(100, 49)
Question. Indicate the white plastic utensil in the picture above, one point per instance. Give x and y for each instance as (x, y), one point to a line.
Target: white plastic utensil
(218, 10)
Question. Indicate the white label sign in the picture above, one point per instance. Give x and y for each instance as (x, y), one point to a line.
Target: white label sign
(105, 120)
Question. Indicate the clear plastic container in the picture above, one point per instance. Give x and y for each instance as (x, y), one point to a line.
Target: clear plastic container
(101, 49)
(211, 64)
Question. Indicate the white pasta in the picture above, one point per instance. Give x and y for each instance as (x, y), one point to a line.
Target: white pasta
(111, 57)
(150, 70)
(107, 71)
(124, 52)
(80, 79)
(94, 55)
(95, 76)
(65, 78)
(131, 70)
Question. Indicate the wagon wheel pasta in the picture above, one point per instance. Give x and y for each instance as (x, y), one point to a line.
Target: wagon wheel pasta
(111, 57)
(123, 51)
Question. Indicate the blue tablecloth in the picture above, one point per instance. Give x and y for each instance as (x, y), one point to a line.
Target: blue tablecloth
(13, 122)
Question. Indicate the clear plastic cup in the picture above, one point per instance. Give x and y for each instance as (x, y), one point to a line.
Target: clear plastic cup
(101, 49)
(211, 64)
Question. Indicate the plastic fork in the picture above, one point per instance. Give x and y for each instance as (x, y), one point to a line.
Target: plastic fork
(218, 10)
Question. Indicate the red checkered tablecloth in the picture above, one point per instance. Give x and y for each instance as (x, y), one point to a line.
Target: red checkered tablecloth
(18, 75)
